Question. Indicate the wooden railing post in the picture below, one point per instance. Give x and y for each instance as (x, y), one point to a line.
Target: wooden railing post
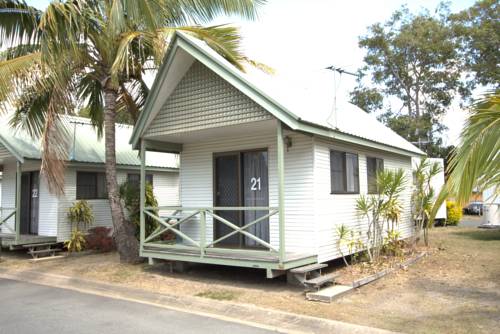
(142, 232)
(203, 232)
(18, 201)
(281, 192)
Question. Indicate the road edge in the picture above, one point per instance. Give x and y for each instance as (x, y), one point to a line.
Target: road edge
(244, 314)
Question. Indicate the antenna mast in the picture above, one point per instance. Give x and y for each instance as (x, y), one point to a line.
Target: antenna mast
(340, 71)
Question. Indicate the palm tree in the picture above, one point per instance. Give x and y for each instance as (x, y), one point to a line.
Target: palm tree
(94, 54)
(475, 162)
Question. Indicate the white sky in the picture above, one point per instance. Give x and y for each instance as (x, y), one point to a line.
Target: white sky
(301, 37)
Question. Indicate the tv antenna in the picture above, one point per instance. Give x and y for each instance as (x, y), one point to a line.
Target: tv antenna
(340, 71)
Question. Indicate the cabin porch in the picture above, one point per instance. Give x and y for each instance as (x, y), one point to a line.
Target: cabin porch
(236, 221)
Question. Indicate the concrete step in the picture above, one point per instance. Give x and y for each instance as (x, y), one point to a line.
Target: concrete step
(320, 281)
(327, 295)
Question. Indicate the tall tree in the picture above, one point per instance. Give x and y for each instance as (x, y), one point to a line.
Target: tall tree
(478, 30)
(95, 53)
(413, 58)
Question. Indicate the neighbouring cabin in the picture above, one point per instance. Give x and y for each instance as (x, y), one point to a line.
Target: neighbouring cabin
(265, 179)
(30, 213)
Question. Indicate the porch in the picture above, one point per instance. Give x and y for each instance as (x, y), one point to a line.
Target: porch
(204, 250)
(17, 227)
(228, 217)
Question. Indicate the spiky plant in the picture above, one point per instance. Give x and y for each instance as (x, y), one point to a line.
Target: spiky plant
(342, 239)
(94, 54)
(423, 197)
(380, 207)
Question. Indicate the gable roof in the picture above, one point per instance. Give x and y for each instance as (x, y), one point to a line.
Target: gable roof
(308, 110)
(85, 145)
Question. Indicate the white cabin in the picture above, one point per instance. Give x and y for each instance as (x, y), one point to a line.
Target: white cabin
(266, 173)
(43, 215)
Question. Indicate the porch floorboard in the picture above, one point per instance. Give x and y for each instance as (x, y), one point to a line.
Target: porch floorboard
(9, 239)
(250, 259)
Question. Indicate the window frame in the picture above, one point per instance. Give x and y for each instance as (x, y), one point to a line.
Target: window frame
(344, 174)
(95, 195)
(368, 191)
(149, 175)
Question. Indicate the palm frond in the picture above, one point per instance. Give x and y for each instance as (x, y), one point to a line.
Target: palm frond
(17, 74)
(89, 91)
(224, 39)
(189, 12)
(475, 162)
(19, 51)
(18, 23)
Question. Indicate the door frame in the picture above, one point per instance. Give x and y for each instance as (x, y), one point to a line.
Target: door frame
(215, 155)
(27, 225)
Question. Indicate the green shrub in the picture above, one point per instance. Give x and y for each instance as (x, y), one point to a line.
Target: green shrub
(130, 193)
(80, 215)
(454, 213)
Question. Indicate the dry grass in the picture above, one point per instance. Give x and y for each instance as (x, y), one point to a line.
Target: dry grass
(455, 290)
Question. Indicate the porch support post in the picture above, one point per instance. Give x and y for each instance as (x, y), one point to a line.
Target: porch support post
(203, 232)
(142, 199)
(281, 192)
(18, 201)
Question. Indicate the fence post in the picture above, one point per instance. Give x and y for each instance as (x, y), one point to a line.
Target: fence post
(203, 231)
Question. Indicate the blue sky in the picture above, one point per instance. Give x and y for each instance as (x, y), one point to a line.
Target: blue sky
(300, 37)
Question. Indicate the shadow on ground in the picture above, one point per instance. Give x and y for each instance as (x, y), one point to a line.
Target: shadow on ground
(481, 235)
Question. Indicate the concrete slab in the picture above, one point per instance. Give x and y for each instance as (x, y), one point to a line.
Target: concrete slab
(327, 295)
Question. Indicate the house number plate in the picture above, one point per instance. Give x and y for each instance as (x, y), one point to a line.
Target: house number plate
(255, 183)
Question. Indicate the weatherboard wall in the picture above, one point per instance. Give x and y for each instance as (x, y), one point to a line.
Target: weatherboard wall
(196, 175)
(48, 203)
(333, 210)
(203, 100)
(165, 185)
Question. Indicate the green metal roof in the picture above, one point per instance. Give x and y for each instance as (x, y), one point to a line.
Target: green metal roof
(84, 145)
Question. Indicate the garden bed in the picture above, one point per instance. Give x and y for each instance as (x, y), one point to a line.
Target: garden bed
(362, 273)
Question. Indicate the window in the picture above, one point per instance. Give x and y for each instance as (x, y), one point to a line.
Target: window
(91, 185)
(373, 166)
(135, 179)
(344, 173)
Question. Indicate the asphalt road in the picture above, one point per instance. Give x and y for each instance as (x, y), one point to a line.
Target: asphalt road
(31, 308)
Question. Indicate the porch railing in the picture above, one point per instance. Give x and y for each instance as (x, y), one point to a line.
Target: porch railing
(195, 215)
(3, 220)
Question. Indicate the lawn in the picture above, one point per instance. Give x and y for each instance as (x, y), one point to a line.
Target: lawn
(454, 290)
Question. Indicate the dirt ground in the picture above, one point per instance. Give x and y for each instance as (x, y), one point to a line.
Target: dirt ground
(454, 290)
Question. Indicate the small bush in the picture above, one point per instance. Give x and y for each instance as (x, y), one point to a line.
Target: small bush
(100, 239)
(454, 213)
(76, 242)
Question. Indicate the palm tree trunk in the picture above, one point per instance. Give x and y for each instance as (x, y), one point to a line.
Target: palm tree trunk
(123, 230)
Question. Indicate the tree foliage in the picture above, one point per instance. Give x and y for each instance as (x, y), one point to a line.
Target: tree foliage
(94, 54)
(414, 58)
(475, 162)
(478, 30)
